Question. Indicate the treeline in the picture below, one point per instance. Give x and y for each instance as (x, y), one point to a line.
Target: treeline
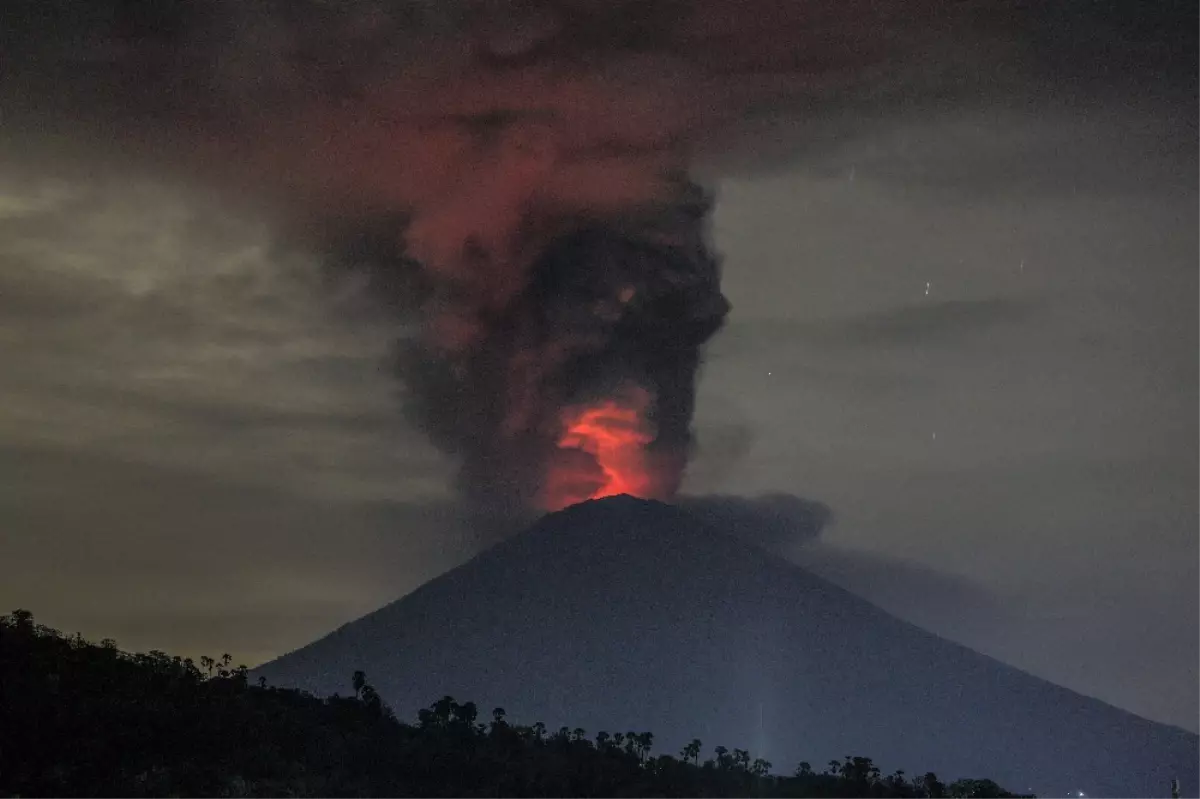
(85, 719)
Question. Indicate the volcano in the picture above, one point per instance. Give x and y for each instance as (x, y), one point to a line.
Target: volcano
(623, 614)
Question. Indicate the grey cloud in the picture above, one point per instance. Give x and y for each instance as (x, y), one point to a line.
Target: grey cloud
(1020, 152)
(925, 323)
(145, 320)
(245, 569)
(1032, 107)
(931, 323)
(772, 521)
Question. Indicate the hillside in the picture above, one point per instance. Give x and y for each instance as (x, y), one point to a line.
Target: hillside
(625, 614)
(80, 719)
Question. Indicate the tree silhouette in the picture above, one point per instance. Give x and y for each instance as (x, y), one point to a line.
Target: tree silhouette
(81, 719)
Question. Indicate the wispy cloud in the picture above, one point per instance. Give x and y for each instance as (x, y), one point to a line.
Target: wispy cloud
(142, 321)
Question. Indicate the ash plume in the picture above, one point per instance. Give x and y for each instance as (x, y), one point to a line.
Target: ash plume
(533, 159)
(603, 306)
(540, 151)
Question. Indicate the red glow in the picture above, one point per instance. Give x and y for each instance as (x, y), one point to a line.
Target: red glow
(601, 452)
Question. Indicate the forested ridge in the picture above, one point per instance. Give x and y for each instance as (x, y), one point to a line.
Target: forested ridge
(80, 718)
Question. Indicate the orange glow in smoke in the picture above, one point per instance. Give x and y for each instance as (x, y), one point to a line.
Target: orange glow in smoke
(601, 452)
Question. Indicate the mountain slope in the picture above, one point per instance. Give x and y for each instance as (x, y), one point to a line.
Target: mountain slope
(630, 615)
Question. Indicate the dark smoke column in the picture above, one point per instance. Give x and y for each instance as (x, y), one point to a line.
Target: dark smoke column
(538, 153)
(612, 305)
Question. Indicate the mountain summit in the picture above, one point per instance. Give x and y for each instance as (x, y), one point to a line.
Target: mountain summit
(623, 614)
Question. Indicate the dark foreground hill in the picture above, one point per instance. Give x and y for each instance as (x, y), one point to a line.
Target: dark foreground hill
(80, 719)
(624, 614)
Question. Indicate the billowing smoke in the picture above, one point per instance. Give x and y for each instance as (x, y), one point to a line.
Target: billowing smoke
(533, 161)
(606, 308)
(539, 153)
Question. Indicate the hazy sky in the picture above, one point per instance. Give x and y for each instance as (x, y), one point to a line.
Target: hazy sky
(971, 331)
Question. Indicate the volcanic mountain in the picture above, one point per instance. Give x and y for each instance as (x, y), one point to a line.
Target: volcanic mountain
(622, 614)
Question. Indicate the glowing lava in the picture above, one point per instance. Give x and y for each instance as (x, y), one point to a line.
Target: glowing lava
(602, 452)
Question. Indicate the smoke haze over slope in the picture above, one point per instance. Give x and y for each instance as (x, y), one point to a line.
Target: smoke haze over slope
(626, 614)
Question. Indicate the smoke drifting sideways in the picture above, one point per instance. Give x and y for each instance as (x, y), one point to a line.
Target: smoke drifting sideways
(775, 522)
(531, 163)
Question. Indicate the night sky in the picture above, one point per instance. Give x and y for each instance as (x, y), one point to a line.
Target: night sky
(968, 326)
